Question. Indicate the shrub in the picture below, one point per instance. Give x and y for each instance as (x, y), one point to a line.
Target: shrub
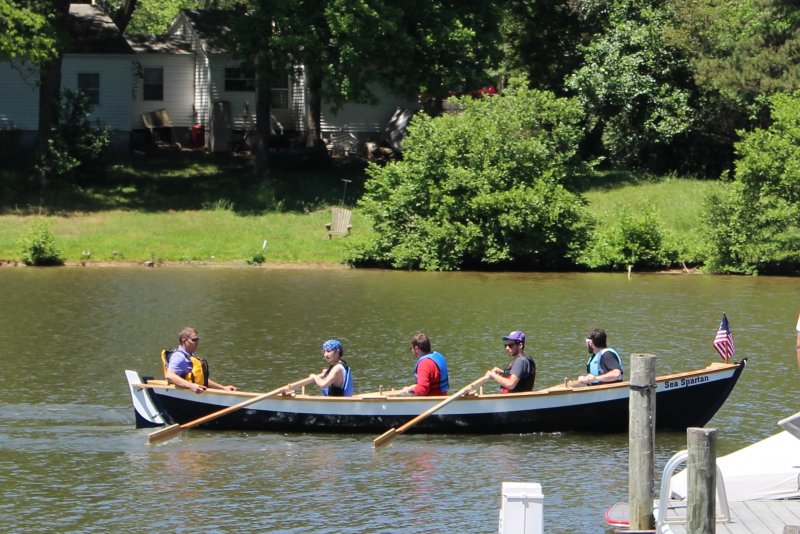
(38, 246)
(484, 188)
(76, 144)
(636, 240)
(754, 226)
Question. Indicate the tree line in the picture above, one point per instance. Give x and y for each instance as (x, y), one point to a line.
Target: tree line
(694, 87)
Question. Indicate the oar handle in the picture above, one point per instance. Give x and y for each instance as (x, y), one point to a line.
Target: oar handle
(435, 408)
(392, 433)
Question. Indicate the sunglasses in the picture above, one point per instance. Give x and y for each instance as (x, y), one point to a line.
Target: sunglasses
(511, 344)
(194, 339)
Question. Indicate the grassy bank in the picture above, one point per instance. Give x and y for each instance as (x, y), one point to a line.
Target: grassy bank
(190, 206)
(209, 236)
(677, 203)
(199, 207)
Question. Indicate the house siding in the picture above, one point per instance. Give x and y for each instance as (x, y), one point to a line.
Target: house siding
(179, 91)
(363, 119)
(19, 101)
(19, 96)
(116, 86)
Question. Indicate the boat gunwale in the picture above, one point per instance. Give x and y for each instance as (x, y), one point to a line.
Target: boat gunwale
(372, 397)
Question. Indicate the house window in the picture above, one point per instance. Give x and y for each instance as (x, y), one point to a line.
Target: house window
(153, 83)
(240, 79)
(89, 84)
(280, 91)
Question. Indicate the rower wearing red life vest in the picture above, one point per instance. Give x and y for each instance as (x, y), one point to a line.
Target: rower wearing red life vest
(430, 371)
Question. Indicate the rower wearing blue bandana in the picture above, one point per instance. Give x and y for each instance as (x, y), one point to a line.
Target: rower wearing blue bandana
(337, 379)
(604, 364)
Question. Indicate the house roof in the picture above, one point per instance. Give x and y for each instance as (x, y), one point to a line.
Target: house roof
(162, 44)
(91, 31)
(211, 27)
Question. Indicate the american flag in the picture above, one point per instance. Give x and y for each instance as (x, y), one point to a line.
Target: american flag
(723, 342)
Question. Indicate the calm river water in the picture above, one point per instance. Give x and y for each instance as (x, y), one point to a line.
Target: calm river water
(72, 461)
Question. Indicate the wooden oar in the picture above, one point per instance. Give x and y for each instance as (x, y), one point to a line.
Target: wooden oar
(173, 430)
(390, 434)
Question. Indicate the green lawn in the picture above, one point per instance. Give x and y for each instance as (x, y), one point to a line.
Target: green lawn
(677, 201)
(203, 207)
(190, 235)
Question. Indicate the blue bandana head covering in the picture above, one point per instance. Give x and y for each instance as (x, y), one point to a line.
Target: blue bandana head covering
(333, 344)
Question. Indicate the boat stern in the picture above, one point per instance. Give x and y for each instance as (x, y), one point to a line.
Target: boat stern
(147, 415)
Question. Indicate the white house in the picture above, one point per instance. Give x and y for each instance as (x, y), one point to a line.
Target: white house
(97, 62)
(188, 76)
(226, 82)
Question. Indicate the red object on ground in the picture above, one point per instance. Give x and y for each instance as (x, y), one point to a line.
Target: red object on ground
(198, 135)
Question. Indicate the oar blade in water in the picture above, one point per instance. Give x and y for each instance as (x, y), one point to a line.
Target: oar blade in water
(163, 434)
(385, 438)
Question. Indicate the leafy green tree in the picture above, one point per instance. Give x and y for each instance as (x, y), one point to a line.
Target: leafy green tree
(444, 46)
(542, 38)
(484, 188)
(23, 33)
(341, 46)
(754, 226)
(636, 87)
(35, 31)
(739, 52)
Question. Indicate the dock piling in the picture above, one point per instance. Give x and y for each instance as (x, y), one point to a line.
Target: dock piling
(641, 441)
(701, 480)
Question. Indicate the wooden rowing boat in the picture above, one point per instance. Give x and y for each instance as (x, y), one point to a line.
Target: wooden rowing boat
(682, 400)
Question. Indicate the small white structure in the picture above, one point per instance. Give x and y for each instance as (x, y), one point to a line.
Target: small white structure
(522, 508)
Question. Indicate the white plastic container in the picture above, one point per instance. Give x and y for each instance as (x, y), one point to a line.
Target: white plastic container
(522, 508)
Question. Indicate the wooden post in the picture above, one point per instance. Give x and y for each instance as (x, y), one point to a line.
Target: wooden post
(701, 480)
(641, 441)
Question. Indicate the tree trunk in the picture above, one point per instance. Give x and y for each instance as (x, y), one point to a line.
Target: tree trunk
(123, 16)
(314, 110)
(50, 88)
(263, 116)
(49, 107)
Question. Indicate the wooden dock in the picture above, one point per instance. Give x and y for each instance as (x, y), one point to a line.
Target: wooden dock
(747, 517)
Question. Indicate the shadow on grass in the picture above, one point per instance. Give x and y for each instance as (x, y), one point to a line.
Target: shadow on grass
(610, 179)
(161, 180)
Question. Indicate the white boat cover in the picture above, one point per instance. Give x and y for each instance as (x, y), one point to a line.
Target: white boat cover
(768, 469)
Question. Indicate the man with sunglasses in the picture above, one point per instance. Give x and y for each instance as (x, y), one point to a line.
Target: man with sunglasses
(183, 368)
(521, 372)
(604, 364)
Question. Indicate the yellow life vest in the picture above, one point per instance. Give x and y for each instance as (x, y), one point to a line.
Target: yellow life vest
(199, 372)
